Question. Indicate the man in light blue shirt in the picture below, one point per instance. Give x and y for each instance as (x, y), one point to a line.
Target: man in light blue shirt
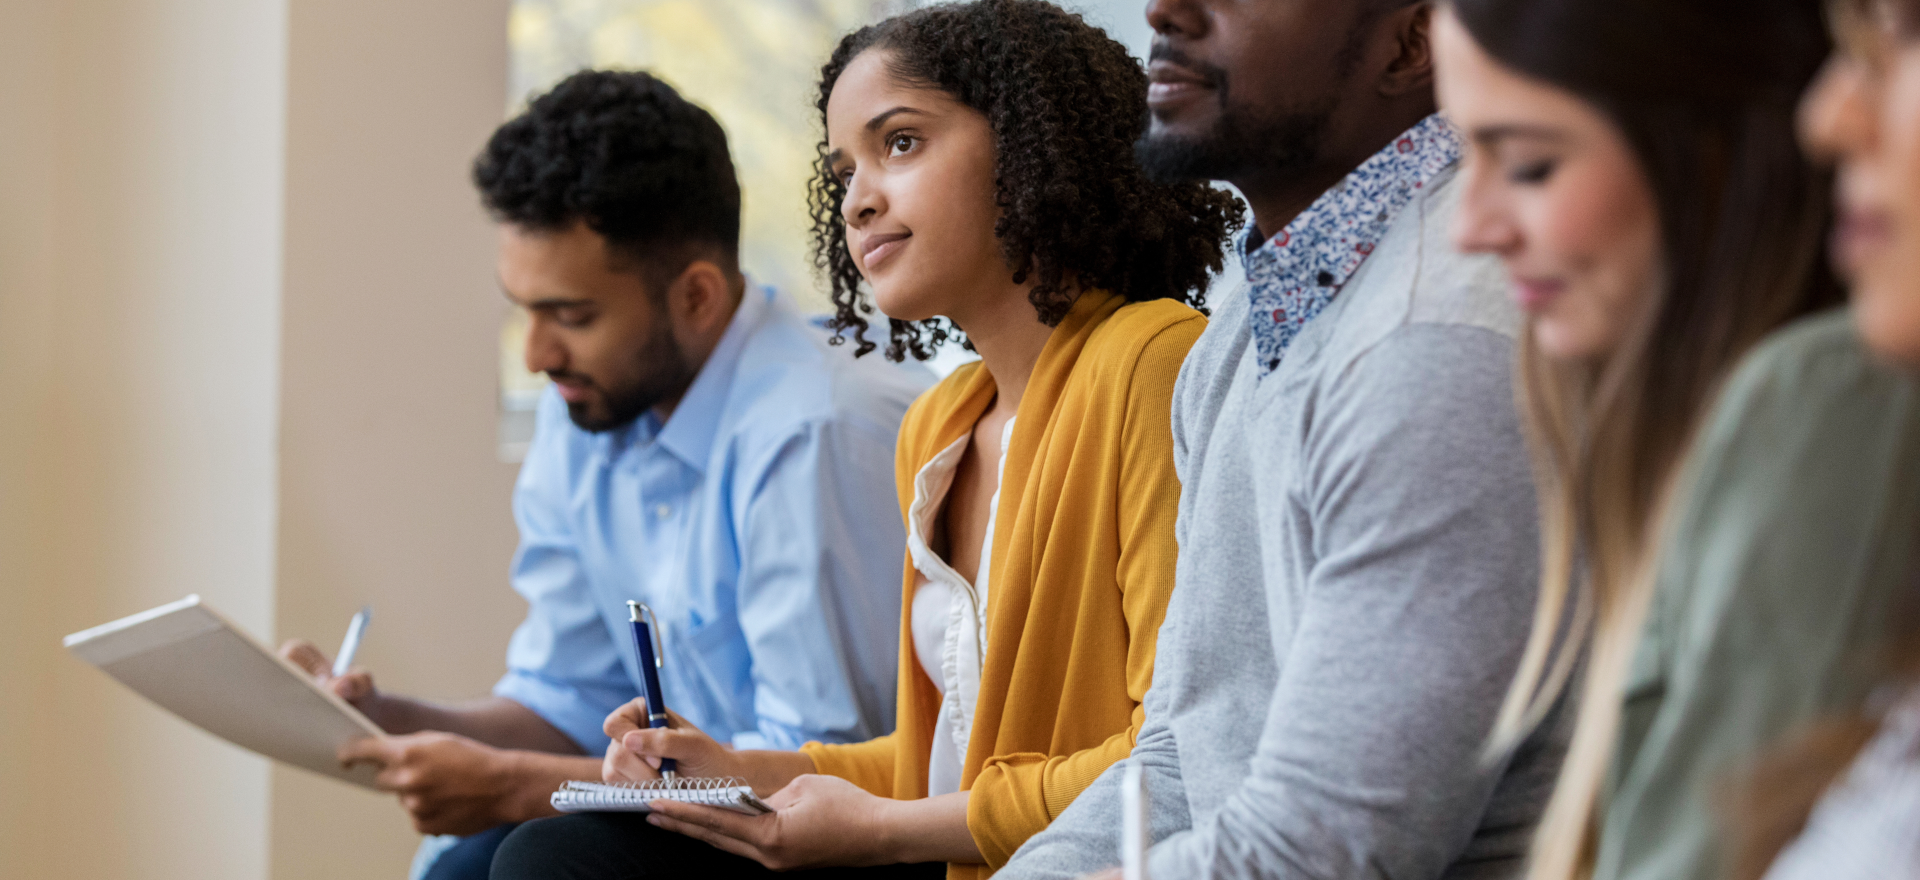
(704, 449)
(759, 524)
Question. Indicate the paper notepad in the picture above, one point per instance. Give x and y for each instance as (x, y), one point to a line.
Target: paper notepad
(629, 797)
(193, 662)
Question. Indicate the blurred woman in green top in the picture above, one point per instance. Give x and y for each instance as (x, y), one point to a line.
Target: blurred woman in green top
(1634, 166)
(1864, 112)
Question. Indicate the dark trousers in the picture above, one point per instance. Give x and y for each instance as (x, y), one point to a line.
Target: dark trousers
(622, 846)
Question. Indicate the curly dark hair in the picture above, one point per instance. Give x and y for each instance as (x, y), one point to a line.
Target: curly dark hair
(1066, 103)
(623, 152)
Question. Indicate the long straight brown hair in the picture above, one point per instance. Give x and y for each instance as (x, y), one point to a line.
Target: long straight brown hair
(1704, 93)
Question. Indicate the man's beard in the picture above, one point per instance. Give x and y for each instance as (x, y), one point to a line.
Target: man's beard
(1241, 144)
(1264, 142)
(662, 372)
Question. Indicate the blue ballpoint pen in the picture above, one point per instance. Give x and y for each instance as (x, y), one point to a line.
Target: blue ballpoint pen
(644, 624)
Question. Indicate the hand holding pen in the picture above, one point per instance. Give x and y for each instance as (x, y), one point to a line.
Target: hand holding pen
(637, 749)
(649, 741)
(645, 644)
(338, 675)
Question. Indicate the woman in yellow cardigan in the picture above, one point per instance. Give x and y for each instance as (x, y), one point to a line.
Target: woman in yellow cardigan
(978, 175)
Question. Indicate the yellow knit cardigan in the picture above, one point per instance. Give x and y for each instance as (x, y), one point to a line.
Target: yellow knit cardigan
(1082, 569)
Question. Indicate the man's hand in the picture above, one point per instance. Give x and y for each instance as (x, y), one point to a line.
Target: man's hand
(356, 687)
(819, 821)
(496, 721)
(450, 784)
(636, 749)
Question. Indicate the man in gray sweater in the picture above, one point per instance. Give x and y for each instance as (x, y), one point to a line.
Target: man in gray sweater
(1357, 526)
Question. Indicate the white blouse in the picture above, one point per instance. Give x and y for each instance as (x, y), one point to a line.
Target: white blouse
(949, 621)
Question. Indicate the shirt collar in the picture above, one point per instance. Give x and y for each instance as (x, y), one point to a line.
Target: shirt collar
(688, 433)
(1297, 272)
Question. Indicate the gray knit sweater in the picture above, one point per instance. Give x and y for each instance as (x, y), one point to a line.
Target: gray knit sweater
(1358, 564)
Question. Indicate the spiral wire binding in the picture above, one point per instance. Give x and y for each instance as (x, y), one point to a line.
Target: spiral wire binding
(676, 784)
(712, 791)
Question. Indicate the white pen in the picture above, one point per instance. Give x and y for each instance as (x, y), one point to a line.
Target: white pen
(1133, 822)
(349, 646)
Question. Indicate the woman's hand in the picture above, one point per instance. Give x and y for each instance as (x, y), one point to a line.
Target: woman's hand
(821, 821)
(818, 821)
(636, 750)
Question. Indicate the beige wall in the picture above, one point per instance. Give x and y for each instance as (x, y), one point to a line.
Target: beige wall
(26, 282)
(247, 327)
(390, 491)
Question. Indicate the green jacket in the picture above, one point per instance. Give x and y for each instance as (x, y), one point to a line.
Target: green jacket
(1784, 558)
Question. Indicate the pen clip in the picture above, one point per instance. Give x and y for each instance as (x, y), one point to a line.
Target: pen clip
(638, 612)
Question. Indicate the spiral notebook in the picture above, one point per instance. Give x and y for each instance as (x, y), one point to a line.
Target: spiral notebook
(630, 797)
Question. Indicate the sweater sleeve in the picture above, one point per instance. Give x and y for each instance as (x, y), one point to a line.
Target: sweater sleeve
(1086, 836)
(1419, 582)
(1016, 796)
(867, 764)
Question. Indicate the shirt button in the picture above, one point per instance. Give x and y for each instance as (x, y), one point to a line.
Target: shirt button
(662, 511)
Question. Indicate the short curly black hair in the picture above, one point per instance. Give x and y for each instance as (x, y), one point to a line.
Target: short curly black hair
(626, 154)
(1066, 104)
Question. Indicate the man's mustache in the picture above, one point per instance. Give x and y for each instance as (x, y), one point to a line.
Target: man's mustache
(1163, 50)
(569, 376)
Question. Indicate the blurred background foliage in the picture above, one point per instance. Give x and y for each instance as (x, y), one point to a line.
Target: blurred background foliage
(752, 63)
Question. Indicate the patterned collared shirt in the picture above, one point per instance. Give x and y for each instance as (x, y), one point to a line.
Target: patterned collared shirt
(1298, 272)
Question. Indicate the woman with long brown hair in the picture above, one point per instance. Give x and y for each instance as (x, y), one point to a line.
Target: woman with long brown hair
(1634, 165)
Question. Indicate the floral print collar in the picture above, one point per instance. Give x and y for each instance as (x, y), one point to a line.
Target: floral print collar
(1296, 273)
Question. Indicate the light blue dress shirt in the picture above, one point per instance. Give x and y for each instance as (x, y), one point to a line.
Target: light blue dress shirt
(760, 523)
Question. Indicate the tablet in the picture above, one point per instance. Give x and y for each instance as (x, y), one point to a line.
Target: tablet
(193, 662)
